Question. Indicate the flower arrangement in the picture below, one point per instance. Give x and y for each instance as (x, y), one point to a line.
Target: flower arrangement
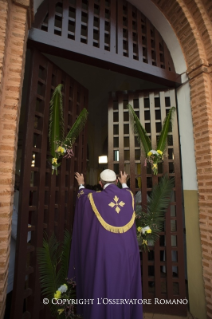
(149, 223)
(61, 146)
(66, 292)
(53, 260)
(152, 156)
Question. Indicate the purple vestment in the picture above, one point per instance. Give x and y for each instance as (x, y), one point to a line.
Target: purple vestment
(104, 258)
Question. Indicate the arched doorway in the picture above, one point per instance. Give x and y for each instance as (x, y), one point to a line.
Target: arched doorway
(137, 42)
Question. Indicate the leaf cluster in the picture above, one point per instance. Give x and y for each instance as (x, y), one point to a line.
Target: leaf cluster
(143, 137)
(53, 260)
(155, 213)
(56, 126)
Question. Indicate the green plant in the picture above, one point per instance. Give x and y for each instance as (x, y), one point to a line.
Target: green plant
(61, 146)
(150, 223)
(152, 156)
(53, 260)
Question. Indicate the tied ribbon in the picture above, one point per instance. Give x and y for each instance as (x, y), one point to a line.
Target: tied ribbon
(69, 153)
(144, 242)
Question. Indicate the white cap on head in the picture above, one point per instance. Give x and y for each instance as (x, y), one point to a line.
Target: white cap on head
(108, 175)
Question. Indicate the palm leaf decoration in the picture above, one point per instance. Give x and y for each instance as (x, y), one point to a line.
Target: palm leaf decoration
(143, 138)
(152, 156)
(164, 133)
(48, 260)
(56, 123)
(64, 258)
(53, 260)
(155, 212)
(76, 128)
(60, 146)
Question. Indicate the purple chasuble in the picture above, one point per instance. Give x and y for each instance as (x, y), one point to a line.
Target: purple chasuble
(104, 258)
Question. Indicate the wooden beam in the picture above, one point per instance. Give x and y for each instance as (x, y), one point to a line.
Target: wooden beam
(53, 44)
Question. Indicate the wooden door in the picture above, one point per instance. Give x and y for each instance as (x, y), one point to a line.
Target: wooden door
(46, 200)
(163, 274)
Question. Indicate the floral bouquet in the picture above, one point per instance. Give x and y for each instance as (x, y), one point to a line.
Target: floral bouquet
(53, 260)
(65, 293)
(150, 223)
(152, 156)
(61, 146)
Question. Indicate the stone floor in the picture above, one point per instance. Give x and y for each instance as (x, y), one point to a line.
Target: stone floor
(161, 316)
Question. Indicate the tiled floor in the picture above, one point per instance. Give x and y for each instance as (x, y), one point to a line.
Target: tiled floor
(161, 316)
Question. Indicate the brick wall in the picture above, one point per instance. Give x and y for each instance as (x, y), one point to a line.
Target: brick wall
(192, 23)
(14, 19)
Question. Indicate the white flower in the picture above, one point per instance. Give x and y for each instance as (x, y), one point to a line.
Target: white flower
(63, 288)
(154, 152)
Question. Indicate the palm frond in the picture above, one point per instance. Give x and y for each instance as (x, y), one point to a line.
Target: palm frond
(64, 260)
(163, 135)
(160, 196)
(156, 208)
(138, 129)
(56, 122)
(48, 261)
(76, 128)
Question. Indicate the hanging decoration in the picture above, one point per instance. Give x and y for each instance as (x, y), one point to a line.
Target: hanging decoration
(53, 260)
(61, 146)
(152, 156)
(150, 223)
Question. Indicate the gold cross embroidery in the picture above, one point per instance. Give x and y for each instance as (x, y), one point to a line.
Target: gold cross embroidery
(116, 204)
(80, 193)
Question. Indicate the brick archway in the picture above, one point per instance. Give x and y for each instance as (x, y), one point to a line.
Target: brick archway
(191, 21)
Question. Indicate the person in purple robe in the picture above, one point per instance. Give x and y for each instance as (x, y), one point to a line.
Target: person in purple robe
(104, 258)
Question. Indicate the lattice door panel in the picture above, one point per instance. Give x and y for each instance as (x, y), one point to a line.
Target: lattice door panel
(115, 26)
(163, 274)
(46, 200)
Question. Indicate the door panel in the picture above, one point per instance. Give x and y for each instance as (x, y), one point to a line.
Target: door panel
(46, 200)
(163, 274)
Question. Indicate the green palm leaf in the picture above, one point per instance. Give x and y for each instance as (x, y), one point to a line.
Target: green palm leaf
(163, 135)
(53, 260)
(48, 261)
(64, 261)
(56, 123)
(76, 128)
(156, 208)
(138, 129)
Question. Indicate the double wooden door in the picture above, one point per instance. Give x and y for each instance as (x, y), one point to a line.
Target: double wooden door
(163, 274)
(46, 201)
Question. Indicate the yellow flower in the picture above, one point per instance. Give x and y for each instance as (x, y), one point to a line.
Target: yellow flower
(139, 229)
(160, 152)
(54, 160)
(149, 231)
(144, 242)
(57, 294)
(60, 311)
(60, 149)
(149, 153)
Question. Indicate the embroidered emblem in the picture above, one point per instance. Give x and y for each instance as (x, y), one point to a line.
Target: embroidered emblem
(116, 204)
(80, 193)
